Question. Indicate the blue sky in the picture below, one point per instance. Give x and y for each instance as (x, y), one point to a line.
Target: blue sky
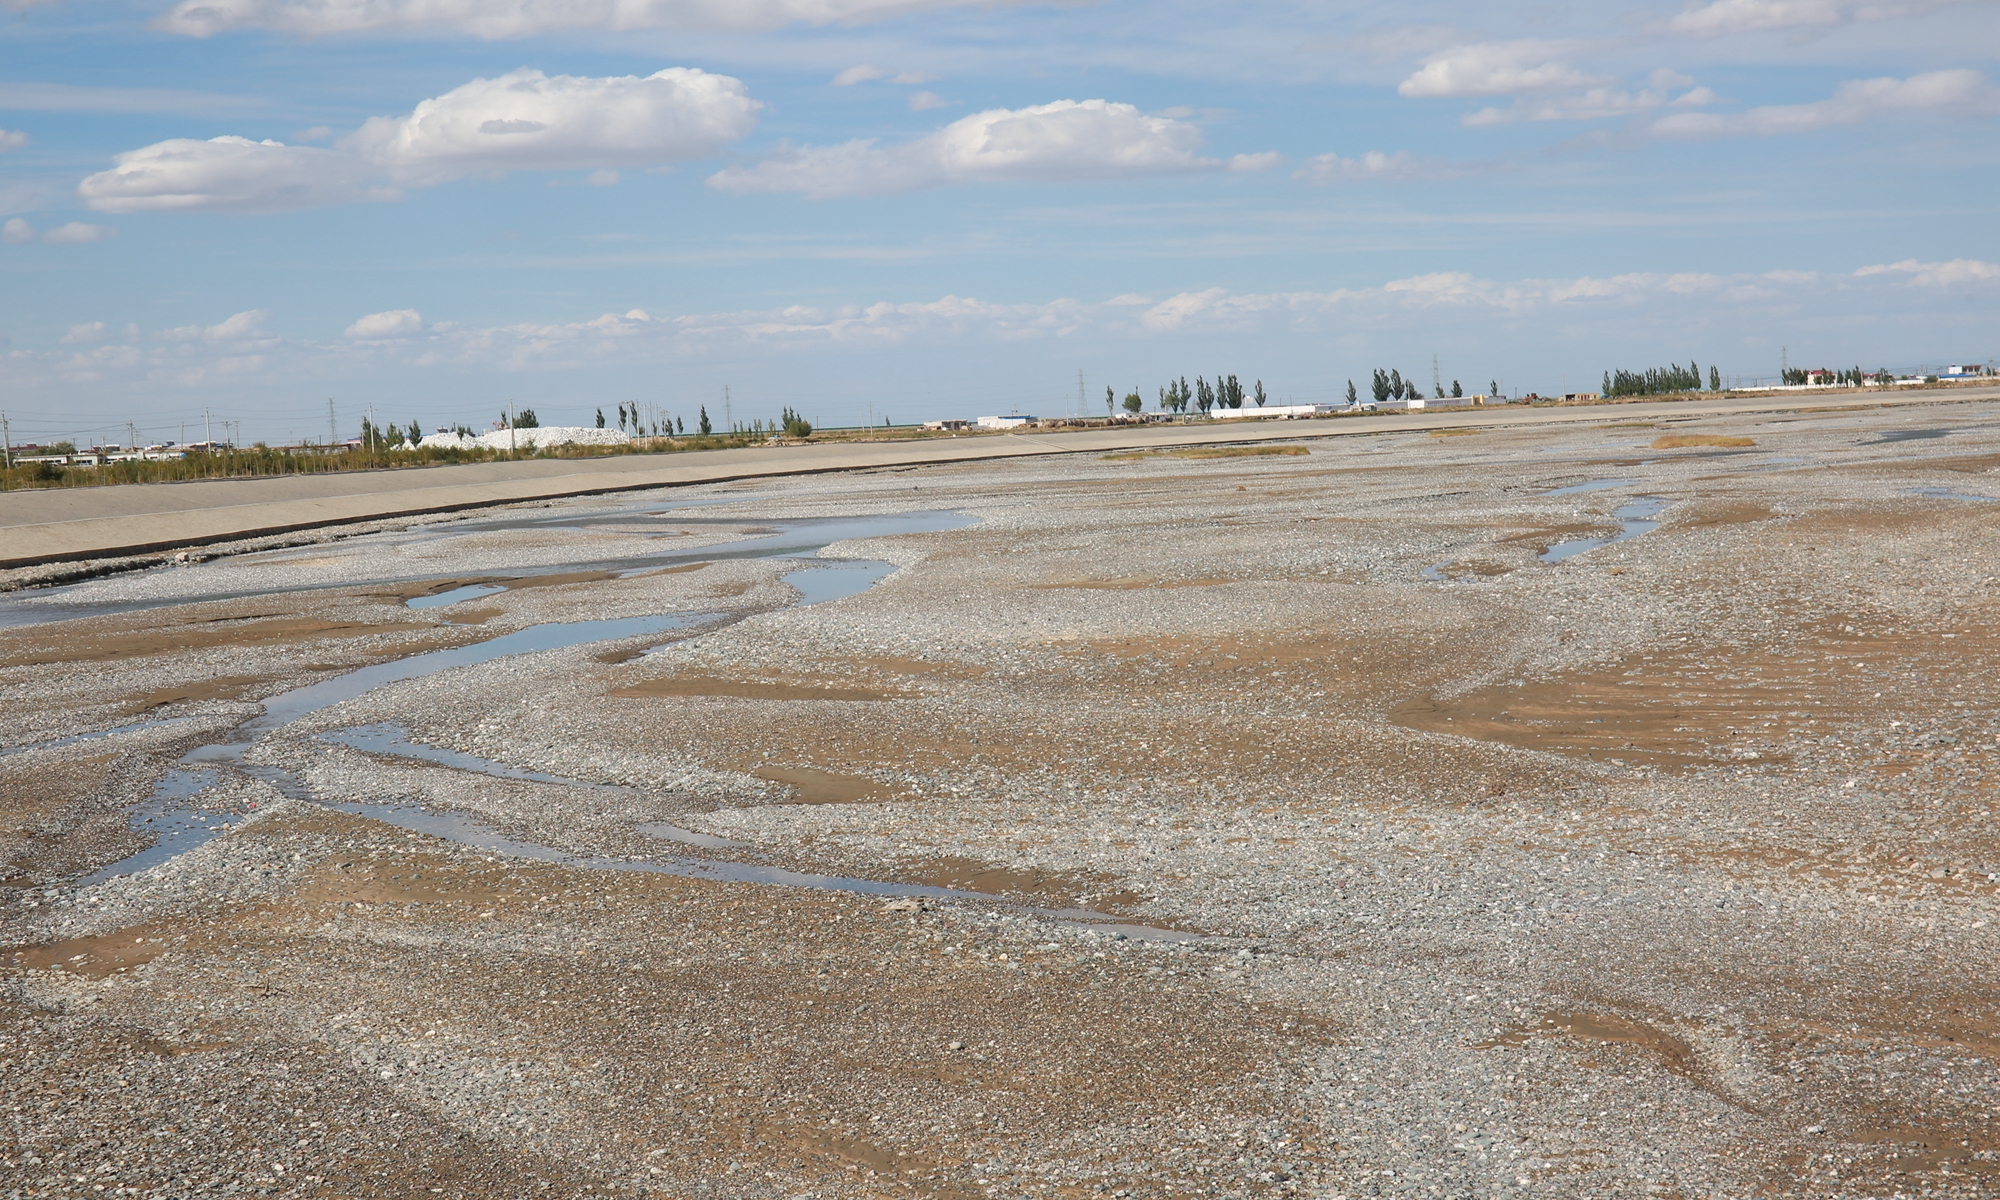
(928, 208)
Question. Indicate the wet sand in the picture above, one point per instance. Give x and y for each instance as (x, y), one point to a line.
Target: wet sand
(1258, 825)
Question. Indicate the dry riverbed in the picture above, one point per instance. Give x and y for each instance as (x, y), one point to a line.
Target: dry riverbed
(1524, 813)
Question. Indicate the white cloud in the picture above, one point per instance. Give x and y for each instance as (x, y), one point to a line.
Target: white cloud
(1937, 274)
(1263, 161)
(87, 334)
(1330, 168)
(523, 18)
(602, 178)
(1593, 105)
(925, 101)
(244, 326)
(18, 232)
(77, 233)
(1749, 16)
(525, 120)
(229, 174)
(913, 77)
(1492, 69)
(317, 133)
(12, 139)
(861, 73)
(1066, 140)
(1948, 93)
(399, 323)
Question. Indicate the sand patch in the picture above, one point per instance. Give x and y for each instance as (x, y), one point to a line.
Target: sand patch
(225, 687)
(1682, 441)
(810, 785)
(99, 956)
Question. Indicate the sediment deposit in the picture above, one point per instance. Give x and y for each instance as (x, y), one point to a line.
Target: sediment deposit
(1416, 816)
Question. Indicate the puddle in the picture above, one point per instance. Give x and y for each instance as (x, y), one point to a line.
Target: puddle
(176, 827)
(470, 591)
(391, 740)
(1635, 518)
(800, 537)
(181, 828)
(1937, 493)
(1594, 485)
(836, 581)
(1909, 435)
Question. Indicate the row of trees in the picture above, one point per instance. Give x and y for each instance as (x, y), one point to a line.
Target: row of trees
(1223, 393)
(1857, 377)
(1656, 381)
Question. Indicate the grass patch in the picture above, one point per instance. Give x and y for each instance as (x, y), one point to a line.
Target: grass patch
(1210, 452)
(1680, 441)
(1453, 432)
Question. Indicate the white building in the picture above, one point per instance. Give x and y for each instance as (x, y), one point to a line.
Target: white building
(1012, 421)
(1282, 412)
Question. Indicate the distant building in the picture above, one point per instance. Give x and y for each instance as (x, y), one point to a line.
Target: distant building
(1282, 412)
(947, 425)
(1011, 421)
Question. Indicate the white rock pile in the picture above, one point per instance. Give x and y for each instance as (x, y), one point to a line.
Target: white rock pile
(528, 439)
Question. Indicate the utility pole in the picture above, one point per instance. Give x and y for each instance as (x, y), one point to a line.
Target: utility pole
(131, 437)
(332, 429)
(1082, 397)
(510, 427)
(1437, 381)
(728, 422)
(7, 441)
(208, 429)
(371, 429)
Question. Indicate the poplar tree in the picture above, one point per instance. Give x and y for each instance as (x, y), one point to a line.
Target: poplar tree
(1353, 398)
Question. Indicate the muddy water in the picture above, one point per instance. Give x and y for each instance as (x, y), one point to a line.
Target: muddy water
(1635, 519)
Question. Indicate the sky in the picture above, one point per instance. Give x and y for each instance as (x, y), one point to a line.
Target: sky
(250, 211)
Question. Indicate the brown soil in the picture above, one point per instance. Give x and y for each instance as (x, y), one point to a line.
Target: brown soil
(1697, 705)
(97, 957)
(1709, 516)
(813, 786)
(225, 687)
(1681, 441)
(195, 633)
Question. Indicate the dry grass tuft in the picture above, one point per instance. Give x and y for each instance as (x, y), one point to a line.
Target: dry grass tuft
(1678, 441)
(1453, 432)
(1210, 452)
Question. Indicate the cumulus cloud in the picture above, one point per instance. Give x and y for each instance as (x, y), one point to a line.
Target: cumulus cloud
(12, 139)
(398, 323)
(229, 174)
(1263, 161)
(244, 326)
(524, 120)
(1947, 93)
(860, 73)
(87, 334)
(74, 233)
(925, 101)
(1937, 274)
(524, 18)
(77, 233)
(1493, 69)
(1066, 140)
